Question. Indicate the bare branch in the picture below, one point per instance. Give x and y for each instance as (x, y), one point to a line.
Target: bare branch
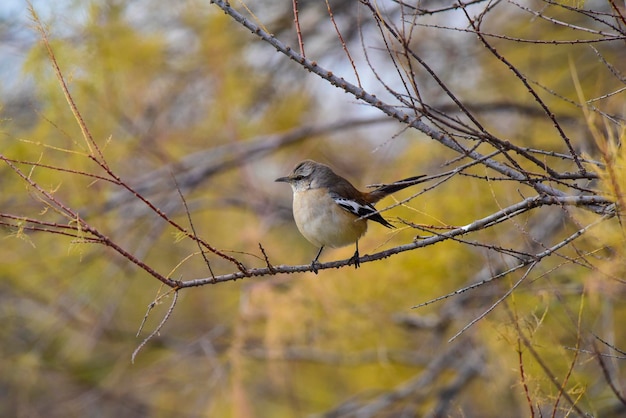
(158, 328)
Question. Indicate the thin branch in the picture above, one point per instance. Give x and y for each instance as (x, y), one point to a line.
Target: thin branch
(607, 376)
(94, 150)
(553, 379)
(565, 24)
(388, 109)
(496, 303)
(296, 20)
(193, 228)
(158, 328)
(83, 226)
(95, 154)
(533, 93)
(524, 263)
(604, 38)
(572, 362)
(343, 43)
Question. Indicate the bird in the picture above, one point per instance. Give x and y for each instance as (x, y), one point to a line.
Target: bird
(330, 212)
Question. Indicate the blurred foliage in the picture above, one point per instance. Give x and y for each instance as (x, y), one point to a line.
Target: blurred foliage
(157, 82)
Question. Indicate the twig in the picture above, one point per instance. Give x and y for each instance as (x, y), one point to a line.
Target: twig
(553, 379)
(191, 225)
(392, 111)
(343, 43)
(158, 328)
(94, 150)
(296, 20)
(82, 226)
(494, 305)
(607, 376)
(529, 88)
(528, 261)
(267, 260)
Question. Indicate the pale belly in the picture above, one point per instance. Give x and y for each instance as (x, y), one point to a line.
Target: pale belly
(327, 224)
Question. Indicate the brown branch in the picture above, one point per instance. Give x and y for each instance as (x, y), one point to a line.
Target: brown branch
(343, 43)
(63, 170)
(193, 228)
(553, 379)
(94, 150)
(267, 260)
(572, 362)
(83, 226)
(532, 91)
(296, 20)
(523, 376)
(96, 155)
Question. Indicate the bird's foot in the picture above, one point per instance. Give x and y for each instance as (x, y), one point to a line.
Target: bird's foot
(355, 260)
(314, 265)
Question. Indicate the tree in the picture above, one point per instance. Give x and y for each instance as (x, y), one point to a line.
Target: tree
(161, 145)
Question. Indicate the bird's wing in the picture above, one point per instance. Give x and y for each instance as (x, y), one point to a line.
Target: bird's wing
(360, 209)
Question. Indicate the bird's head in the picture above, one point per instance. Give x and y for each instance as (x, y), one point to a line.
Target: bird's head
(308, 174)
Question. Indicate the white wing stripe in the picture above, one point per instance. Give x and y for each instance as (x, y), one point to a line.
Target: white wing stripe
(354, 207)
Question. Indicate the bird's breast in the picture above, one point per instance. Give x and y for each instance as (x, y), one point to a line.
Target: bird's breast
(323, 222)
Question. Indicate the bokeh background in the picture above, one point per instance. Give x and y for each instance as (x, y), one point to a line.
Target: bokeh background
(177, 90)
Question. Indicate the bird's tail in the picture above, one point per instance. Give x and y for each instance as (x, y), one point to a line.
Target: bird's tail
(386, 189)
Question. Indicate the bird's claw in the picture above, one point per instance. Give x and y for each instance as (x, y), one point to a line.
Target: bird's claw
(355, 260)
(314, 265)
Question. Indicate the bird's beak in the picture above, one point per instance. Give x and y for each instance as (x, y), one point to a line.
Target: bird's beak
(283, 179)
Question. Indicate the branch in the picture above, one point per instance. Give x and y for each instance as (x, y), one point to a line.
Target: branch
(486, 222)
(524, 263)
(390, 110)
